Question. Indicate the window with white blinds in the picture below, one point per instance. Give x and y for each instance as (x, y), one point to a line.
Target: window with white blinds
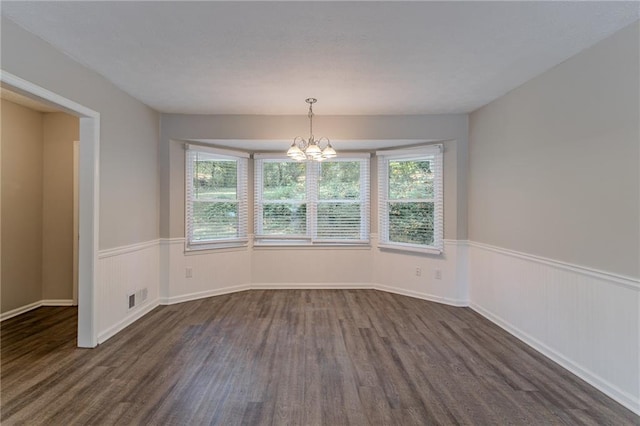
(216, 197)
(342, 206)
(410, 198)
(310, 202)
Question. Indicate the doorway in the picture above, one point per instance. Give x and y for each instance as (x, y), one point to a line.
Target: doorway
(87, 199)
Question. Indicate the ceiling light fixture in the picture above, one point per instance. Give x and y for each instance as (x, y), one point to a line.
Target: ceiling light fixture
(310, 149)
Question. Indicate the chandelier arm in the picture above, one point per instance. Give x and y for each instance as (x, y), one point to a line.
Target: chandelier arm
(323, 139)
(300, 142)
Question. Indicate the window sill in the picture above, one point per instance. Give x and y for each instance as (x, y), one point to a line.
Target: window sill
(307, 246)
(216, 248)
(410, 248)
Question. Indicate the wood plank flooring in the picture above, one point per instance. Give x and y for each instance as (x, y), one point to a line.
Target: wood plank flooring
(290, 357)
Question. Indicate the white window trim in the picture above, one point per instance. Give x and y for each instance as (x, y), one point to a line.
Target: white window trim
(416, 248)
(230, 154)
(384, 156)
(308, 240)
(242, 239)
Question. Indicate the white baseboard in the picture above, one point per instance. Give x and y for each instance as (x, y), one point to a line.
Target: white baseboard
(57, 302)
(310, 286)
(130, 319)
(21, 310)
(423, 296)
(35, 305)
(614, 392)
(203, 294)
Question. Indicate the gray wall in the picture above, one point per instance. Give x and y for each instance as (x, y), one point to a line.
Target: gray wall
(21, 226)
(453, 127)
(554, 165)
(129, 133)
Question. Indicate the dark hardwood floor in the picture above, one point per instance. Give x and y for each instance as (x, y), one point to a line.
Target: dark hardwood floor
(290, 357)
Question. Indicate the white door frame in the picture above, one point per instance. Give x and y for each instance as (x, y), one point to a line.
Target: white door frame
(89, 186)
(76, 225)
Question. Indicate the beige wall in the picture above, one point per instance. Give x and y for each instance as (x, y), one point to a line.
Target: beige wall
(37, 205)
(60, 131)
(554, 165)
(21, 176)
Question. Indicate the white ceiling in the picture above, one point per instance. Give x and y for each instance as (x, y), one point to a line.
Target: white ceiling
(355, 57)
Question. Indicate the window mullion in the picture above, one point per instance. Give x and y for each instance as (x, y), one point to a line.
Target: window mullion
(242, 197)
(312, 199)
(258, 206)
(383, 199)
(189, 194)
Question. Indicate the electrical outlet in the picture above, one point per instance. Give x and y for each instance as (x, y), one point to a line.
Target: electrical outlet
(188, 273)
(418, 271)
(438, 274)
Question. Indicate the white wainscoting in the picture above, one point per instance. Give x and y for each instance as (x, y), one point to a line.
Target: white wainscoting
(123, 271)
(395, 271)
(213, 272)
(586, 320)
(306, 266)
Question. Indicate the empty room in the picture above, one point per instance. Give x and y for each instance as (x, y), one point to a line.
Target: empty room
(319, 213)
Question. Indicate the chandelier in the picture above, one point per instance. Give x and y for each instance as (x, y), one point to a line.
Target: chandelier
(310, 149)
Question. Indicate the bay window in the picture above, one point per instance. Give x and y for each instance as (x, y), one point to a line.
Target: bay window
(410, 205)
(216, 197)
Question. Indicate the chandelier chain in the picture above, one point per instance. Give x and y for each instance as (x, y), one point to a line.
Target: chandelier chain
(311, 120)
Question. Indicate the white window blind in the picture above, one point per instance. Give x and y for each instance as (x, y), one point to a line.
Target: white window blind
(281, 199)
(309, 202)
(216, 197)
(410, 198)
(342, 200)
